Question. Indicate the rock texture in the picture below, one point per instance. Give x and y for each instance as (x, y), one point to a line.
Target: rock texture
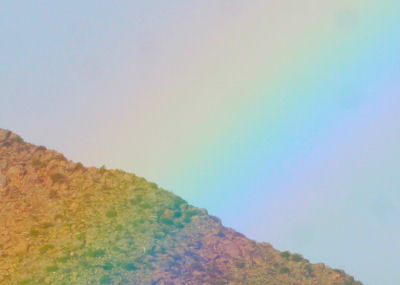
(62, 223)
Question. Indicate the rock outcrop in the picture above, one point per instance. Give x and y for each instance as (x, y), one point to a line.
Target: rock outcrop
(63, 223)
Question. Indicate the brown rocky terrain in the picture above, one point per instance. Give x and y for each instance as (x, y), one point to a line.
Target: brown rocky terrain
(62, 223)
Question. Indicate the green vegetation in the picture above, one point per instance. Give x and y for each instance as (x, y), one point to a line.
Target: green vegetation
(285, 254)
(17, 139)
(187, 217)
(96, 253)
(105, 279)
(308, 268)
(34, 233)
(52, 268)
(177, 214)
(46, 247)
(297, 257)
(284, 270)
(58, 177)
(240, 264)
(111, 214)
(89, 236)
(81, 236)
(145, 205)
(179, 225)
(102, 169)
(129, 266)
(136, 200)
(79, 166)
(178, 202)
(63, 259)
(153, 185)
(39, 163)
(108, 266)
(167, 221)
(46, 225)
(25, 281)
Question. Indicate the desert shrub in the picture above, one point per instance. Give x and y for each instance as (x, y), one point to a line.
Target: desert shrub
(102, 169)
(240, 264)
(34, 233)
(129, 266)
(308, 268)
(38, 163)
(178, 202)
(177, 214)
(111, 214)
(285, 254)
(17, 139)
(187, 217)
(64, 258)
(158, 236)
(108, 266)
(67, 270)
(284, 270)
(167, 221)
(96, 253)
(105, 279)
(52, 268)
(153, 185)
(152, 251)
(138, 222)
(297, 257)
(79, 166)
(166, 230)
(46, 247)
(46, 225)
(117, 249)
(58, 177)
(81, 236)
(179, 225)
(25, 281)
(136, 200)
(6, 144)
(187, 220)
(191, 213)
(145, 205)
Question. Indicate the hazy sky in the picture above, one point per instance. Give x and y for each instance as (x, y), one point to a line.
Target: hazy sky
(280, 117)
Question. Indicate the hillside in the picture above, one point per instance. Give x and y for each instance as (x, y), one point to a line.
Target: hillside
(62, 223)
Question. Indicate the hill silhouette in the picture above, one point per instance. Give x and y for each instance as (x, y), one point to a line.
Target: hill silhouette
(63, 223)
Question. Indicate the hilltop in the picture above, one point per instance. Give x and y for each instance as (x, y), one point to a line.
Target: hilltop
(63, 223)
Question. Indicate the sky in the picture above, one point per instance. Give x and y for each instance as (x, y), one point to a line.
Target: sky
(280, 117)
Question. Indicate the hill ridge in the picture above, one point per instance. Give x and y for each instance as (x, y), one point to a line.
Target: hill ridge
(63, 223)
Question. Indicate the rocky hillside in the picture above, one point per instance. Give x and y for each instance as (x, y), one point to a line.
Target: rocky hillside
(62, 223)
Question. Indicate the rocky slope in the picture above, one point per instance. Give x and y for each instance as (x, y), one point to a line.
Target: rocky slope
(62, 223)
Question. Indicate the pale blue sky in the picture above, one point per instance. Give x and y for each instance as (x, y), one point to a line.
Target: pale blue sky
(282, 118)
